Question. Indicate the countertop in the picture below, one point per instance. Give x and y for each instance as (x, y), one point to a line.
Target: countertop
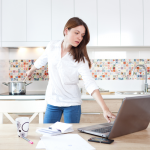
(9, 139)
(41, 95)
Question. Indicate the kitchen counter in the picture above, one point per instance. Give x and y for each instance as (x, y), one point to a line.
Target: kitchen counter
(10, 140)
(110, 96)
(40, 95)
(32, 95)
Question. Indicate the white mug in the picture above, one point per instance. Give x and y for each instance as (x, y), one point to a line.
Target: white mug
(22, 124)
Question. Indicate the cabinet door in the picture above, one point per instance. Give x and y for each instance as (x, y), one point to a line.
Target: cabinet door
(131, 23)
(0, 23)
(146, 22)
(13, 20)
(91, 106)
(108, 23)
(82, 10)
(38, 20)
(62, 11)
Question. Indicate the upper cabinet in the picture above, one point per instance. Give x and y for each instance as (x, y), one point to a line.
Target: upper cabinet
(14, 20)
(146, 22)
(87, 11)
(33, 23)
(131, 22)
(62, 11)
(38, 20)
(0, 23)
(108, 23)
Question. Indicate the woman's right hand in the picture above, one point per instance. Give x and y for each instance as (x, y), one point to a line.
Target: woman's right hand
(29, 73)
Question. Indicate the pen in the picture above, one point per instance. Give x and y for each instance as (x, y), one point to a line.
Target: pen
(57, 129)
(27, 140)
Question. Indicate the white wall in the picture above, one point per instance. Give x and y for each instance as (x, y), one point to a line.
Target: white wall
(119, 53)
(4, 68)
(119, 85)
(94, 53)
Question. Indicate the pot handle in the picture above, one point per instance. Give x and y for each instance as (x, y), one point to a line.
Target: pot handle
(28, 83)
(5, 83)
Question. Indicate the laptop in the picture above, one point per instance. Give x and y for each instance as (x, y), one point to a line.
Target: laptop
(133, 116)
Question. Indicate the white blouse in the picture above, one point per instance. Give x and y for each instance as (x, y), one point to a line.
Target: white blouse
(62, 89)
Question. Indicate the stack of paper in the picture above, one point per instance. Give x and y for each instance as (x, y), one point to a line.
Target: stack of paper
(48, 131)
(56, 129)
(63, 127)
(64, 142)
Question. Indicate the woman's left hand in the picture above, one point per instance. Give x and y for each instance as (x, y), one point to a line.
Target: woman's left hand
(107, 115)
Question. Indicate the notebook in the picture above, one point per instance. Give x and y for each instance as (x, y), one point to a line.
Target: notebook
(56, 129)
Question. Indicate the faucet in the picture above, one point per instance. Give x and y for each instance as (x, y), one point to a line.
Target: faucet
(146, 84)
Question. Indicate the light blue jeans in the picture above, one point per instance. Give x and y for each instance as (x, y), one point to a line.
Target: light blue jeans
(71, 114)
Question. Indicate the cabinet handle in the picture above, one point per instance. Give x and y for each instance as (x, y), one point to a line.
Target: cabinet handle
(90, 113)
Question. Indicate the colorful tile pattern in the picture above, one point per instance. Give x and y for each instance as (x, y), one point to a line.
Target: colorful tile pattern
(102, 69)
(18, 69)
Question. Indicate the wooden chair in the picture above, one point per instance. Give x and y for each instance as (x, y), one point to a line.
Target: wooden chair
(22, 106)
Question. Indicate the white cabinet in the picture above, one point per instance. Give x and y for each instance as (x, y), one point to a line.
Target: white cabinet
(38, 20)
(89, 17)
(111, 22)
(13, 20)
(62, 11)
(146, 22)
(108, 23)
(131, 23)
(0, 23)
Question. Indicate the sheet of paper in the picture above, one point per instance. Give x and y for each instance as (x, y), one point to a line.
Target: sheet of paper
(40, 145)
(66, 142)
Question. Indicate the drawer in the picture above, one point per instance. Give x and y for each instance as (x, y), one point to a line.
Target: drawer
(93, 118)
(91, 106)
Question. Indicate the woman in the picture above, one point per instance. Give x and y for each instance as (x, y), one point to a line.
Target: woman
(66, 60)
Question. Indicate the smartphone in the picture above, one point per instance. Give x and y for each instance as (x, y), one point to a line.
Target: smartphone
(100, 140)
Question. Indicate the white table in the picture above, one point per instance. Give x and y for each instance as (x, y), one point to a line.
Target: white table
(9, 139)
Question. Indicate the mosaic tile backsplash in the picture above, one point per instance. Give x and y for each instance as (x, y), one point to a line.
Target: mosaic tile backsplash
(102, 69)
(18, 69)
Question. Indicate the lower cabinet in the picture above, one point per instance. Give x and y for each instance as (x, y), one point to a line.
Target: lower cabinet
(92, 112)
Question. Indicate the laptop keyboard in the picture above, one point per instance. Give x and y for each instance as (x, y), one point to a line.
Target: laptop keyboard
(103, 130)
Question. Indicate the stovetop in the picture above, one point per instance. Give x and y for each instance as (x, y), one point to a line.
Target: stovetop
(28, 93)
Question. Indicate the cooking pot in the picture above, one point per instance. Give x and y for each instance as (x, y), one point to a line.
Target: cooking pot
(17, 88)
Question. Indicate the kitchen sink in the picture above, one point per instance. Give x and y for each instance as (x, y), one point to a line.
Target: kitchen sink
(132, 93)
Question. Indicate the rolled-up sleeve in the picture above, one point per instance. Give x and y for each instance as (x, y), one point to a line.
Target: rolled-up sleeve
(88, 80)
(43, 59)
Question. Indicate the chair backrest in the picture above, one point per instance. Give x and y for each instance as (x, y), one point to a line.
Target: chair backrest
(22, 106)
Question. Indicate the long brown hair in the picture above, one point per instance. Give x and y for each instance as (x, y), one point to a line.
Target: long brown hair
(80, 51)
